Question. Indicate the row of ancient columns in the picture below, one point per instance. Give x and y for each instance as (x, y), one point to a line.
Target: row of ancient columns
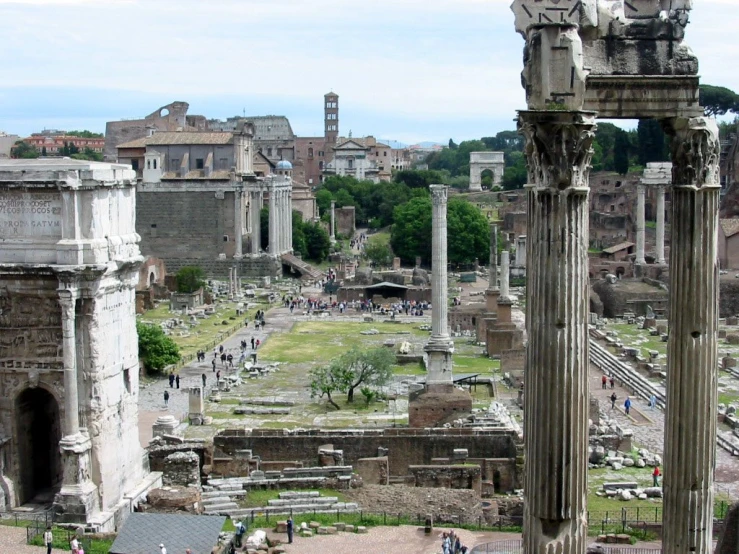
(558, 150)
(280, 218)
(641, 224)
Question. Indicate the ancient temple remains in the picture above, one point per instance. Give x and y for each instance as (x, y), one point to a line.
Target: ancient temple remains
(658, 176)
(606, 58)
(68, 345)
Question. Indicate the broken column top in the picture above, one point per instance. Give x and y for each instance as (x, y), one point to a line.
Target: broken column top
(657, 174)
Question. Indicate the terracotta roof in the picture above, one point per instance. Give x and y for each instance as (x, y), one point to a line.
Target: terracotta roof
(180, 137)
(618, 247)
(730, 227)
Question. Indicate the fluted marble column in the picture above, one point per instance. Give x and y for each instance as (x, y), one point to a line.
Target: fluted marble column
(273, 221)
(690, 417)
(640, 224)
(255, 206)
(67, 300)
(558, 151)
(239, 221)
(505, 274)
(440, 346)
(290, 221)
(660, 225)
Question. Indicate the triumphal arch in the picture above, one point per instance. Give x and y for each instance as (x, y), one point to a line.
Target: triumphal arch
(69, 261)
(586, 59)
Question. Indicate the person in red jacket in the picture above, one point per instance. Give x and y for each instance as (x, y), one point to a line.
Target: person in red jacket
(655, 476)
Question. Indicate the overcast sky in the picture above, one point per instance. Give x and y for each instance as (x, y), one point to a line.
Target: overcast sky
(407, 70)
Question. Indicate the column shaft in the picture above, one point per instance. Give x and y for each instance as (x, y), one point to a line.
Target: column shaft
(505, 274)
(692, 380)
(493, 285)
(558, 150)
(333, 221)
(661, 225)
(238, 222)
(640, 224)
(273, 215)
(69, 347)
(290, 221)
(439, 286)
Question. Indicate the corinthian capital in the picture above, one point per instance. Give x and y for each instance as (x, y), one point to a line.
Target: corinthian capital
(558, 147)
(438, 194)
(696, 151)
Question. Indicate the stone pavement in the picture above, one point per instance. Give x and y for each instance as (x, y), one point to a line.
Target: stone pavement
(648, 426)
(13, 541)
(151, 396)
(385, 540)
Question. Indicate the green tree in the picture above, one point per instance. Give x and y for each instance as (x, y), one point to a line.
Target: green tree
(718, 100)
(84, 134)
(323, 201)
(515, 175)
(652, 144)
(317, 241)
(156, 349)
(325, 381)
(299, 244)
(371, 368)
(411, 232)
(468, 233)
(189, 279)
(378, 251)
(417, 179)
(23, 150)
(452, 145)
(621, 153)
(88, 154)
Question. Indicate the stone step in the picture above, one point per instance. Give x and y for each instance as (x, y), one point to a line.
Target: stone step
(216, 500)
(218, 494)
(299, 494)
(317, 501)
(225, 507)
(277, 510)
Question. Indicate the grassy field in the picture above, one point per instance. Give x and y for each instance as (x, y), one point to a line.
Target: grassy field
(210, 329)
(319, 342)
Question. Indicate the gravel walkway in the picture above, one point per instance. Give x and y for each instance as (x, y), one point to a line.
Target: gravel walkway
(13, 541)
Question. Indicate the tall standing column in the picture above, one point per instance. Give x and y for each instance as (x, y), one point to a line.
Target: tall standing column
(558, 151)
(505, 274)
(273, 221)
(493, 284)
(440, 346)
(692, 380)
(255, 207)
(67, 300)
(333, 221)
(640, 224)
(661, 225)
(290, 221)
(239, 221)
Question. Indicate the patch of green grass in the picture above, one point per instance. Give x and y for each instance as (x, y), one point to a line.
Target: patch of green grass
(315, 341)
(409, 369)
(261, 498)
(225, 415)
(475, 364)
(62, 538)
(726, 398)
(596, 478)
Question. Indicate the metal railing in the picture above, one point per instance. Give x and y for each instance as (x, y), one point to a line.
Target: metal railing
(511, 546)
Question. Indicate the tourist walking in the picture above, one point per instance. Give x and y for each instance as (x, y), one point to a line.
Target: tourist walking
(204, 378)
(290, 527)
(166, 398)
(48, 539)
(613, 382)
(252, 343)
(603, 382)
(75, 545)
(162, 550)
(177, 380)
(627, 405)
(655, 477)
(171, 379)
(652, 402)
(214, 364)
(613, 401)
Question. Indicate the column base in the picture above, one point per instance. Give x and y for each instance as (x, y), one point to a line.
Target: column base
(439, 365)
(491, 300)
(77, 501)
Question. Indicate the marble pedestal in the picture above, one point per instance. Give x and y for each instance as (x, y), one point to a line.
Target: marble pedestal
(77, 501)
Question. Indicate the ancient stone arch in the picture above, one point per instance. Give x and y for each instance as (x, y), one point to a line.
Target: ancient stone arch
(481, 161)
(606, 58)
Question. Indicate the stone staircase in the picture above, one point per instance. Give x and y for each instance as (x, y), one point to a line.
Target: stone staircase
(305, 269)
(221, 499)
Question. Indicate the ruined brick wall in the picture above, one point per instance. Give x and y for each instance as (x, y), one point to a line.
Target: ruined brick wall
(345, 224)
(448, 476)
(406, 447)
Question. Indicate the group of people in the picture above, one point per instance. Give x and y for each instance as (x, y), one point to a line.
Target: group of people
(451, 543)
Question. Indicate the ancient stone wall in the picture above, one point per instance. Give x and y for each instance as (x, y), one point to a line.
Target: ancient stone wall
(181, 468)
(406, 447)
(373, 471)
(345, 223)
(447, 477)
